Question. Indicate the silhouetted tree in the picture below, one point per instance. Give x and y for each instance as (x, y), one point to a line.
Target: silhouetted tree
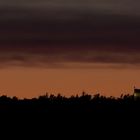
(61, 104)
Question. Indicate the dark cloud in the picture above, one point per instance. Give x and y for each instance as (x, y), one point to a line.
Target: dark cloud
(59, 32)
(68, 57)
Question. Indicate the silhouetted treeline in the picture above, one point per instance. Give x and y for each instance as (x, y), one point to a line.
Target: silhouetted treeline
(58, 113)
(83, 103)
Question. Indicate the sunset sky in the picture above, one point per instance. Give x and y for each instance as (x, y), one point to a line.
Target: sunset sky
(69, 46)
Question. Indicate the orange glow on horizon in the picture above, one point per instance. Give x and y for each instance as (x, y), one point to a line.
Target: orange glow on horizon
(32, 82)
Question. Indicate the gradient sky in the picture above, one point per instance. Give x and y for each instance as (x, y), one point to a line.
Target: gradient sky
(69, 46)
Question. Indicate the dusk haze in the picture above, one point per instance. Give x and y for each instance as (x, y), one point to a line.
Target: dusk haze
(69, 46)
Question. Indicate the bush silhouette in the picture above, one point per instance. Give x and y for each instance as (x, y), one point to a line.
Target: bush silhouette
(61, 104)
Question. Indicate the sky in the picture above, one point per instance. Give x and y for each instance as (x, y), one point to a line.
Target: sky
(69, 46)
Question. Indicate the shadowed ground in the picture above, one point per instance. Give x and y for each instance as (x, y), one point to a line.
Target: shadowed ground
(88, 114)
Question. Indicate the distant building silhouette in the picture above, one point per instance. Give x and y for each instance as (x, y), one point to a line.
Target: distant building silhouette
(136, 93)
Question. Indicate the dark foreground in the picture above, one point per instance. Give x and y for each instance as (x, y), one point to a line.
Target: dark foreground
(75, 105)
(57, 113)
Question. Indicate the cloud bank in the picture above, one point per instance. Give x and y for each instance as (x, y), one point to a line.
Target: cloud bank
(57, 33)
(63, 57)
